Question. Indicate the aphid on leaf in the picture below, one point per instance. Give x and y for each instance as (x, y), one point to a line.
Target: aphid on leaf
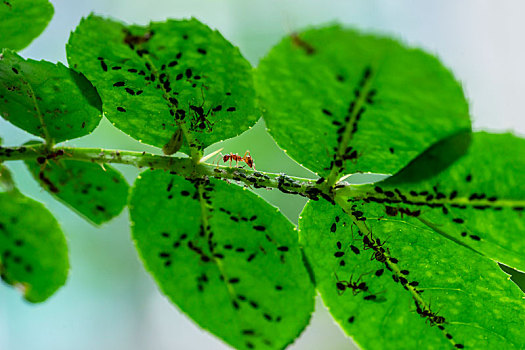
(356, 286)
(200, 119)
(430, 315)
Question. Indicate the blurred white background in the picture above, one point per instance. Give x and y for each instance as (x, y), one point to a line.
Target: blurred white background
(109, 301)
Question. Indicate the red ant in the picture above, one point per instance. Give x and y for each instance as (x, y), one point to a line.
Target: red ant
(247, 158)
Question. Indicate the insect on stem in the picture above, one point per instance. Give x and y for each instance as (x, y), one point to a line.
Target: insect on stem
(247, 158)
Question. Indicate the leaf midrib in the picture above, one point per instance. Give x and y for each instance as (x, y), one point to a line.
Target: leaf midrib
(47, 136)
(347, 134)
(195, 153)
(394, 268)
(459, 200)
(205, 215)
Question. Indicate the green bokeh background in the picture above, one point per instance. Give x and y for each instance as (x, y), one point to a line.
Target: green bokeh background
(109, 301)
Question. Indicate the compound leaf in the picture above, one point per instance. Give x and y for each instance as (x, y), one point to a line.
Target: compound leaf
(225, 257)
(163, 76)
(33, 250)
(97, 194)
(46, 99)
(343, 102)
(388, 281)
(22, 21)
(478, 201)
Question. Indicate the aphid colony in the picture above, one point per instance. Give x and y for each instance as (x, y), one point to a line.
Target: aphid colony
(364, 95)
(157, 75)
(210, 249)
(382, 255)
(435, 199)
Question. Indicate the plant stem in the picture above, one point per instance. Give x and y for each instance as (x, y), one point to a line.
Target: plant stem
(182, 166)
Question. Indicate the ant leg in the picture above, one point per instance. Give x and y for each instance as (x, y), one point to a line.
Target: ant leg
(208, 123)
(202, 96)
(358, 231)
(364, 274)
(352, 231)
(351, 278)
(386, 240)
(354, 285)
(340, 285)
(337, 277)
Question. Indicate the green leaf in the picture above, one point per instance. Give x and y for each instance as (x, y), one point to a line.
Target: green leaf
(479, 201)
(163, 76)
(47, 100)
(338, 99)
(97, 194)
(225, 257)
(414, 289)
(22, 21)
(33, 250)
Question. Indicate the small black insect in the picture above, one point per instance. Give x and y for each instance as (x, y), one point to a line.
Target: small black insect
(356, 287)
